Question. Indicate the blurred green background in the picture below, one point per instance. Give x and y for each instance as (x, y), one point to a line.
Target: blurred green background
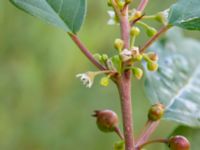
(42, 105)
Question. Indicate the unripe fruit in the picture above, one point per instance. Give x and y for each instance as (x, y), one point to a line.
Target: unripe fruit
(107, 120)
(156, 112)
(136, 15)
(120, 4)
(104, 81)
(135, 31)
(104, 57)
(151, 31)
(179, 143)
(119, 44)
(153, 56)
(139, 57)
(138, 73)
(152, 66)
(128, 1)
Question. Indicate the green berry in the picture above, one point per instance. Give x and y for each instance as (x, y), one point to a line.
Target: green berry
(104, 81)
(139, 57)
(120, 4)
(153, 56)
(128, 1)
(138, 73)
(151, 31)
(156, 112)
(135, 31)
(152, 66)
(97, 56)
(104, 57)
(107, 120)
(119, 44)
(179, 143)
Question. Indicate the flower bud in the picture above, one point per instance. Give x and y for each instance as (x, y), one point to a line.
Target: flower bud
(156, 112)
(139, 57)
(179, 143)
(151, 31)
(135, 31)
(104, 57)
(97, 56)
(136, 14)
(120, 4)
(107, 120)
(138, 73)
(152, 66)
(162, 16)
(119, 44)
(126, 55)
(128, 1)
(153, 56)
(104, 81)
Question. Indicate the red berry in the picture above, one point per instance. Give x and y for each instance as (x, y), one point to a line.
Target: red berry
(179, 143)
(107, 120)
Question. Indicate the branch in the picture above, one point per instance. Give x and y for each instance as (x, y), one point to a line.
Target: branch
(142, 5)
(164, 141)
(149, 129)
(86, 52)
(154, 38)
(124, 86)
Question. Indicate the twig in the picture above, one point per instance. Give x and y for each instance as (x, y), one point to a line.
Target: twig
(149, 129)
(124, 86)
(142, 5)
(86, 52)
(119, 133)
(136, 20)
(165, 141)
(154, 38)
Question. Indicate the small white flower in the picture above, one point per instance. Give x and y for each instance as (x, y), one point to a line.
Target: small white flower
(112, 20)
(87, 78)
(126, 54)
(135, 51)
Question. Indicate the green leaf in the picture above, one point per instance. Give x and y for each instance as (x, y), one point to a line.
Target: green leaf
(66, 14)
(193, 135)
(176, 84)
(185, 14)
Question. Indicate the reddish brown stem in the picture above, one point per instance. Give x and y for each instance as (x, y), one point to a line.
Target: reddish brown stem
(136, 20)
(165, 141)
(125, 28)
(154, 38)
(86, 52)
(142, 5)
(147, 132)
(119, 133)
(124, 87)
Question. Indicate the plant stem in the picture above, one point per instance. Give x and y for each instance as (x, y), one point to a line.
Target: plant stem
(165, 141)
(124, 85)
(149, 129)
(154, 38)
(119, 133)
(86, 52)
(125, 28)
(142, 5)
